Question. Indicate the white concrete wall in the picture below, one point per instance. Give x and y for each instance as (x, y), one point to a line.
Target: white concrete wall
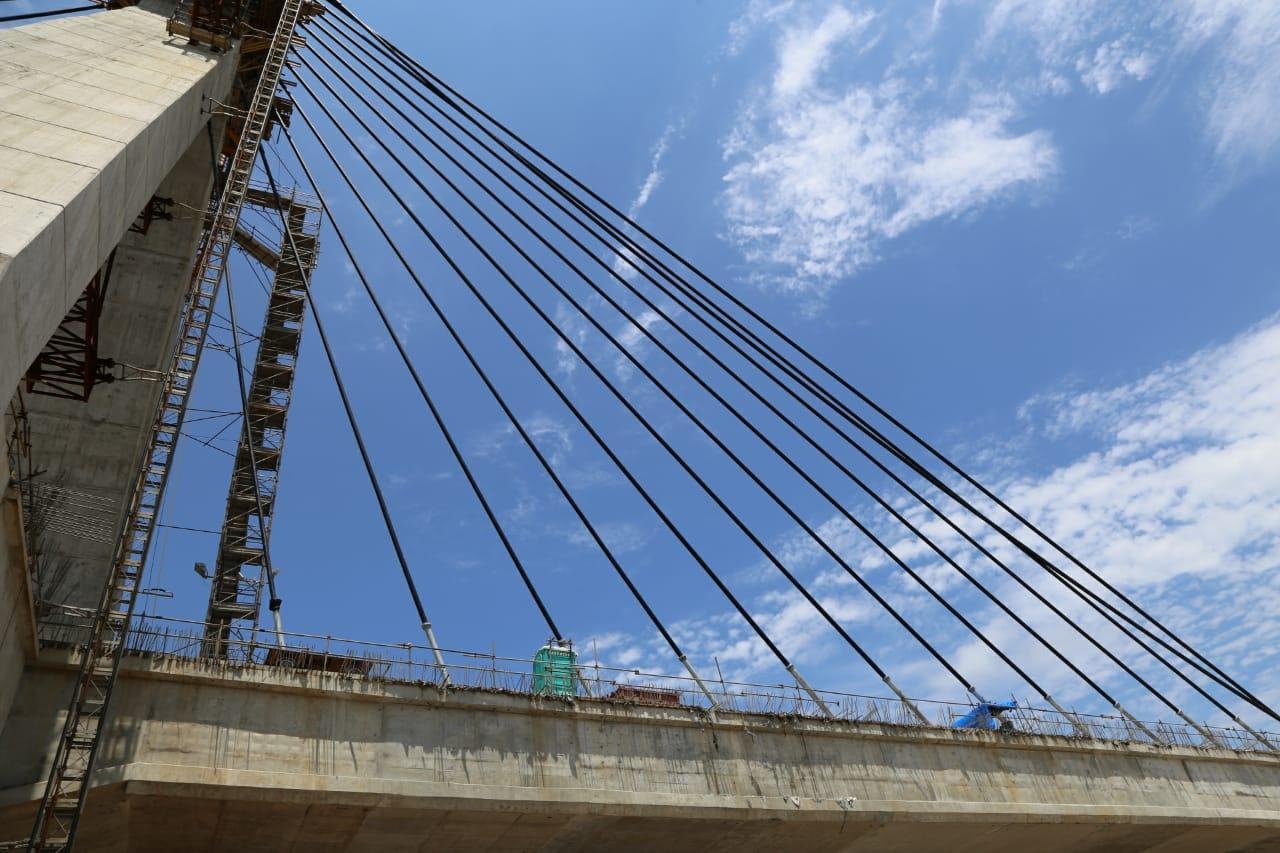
(292, 748)
(95, 447)
(95, 111)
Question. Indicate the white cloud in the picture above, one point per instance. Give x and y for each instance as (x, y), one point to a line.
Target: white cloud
(816, 186)
(622, 537)
(1135, 227)
(575, 329)
(1182, 482)
(1243, 87)
(654, 178)
(1176, 503)
(1109, 44)
(758, 14)
(625, 261)
(837, 156)
(804, 51)
(1112, 63)
(633, 339)
(550, 435)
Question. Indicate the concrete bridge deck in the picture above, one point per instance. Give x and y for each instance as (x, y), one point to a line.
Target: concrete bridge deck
(255, 758)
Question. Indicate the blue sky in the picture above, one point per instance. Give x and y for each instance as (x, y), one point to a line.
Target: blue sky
(1040, 232)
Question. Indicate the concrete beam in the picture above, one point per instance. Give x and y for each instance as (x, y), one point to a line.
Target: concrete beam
(256, 759)
(94, 112)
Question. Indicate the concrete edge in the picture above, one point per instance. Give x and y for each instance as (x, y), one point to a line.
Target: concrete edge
(163, 780)
(590, 710)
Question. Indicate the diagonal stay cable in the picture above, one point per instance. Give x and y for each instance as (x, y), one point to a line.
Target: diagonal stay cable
(1090, 597)
(372, 476)
(471, 479)
(644, 330)
(625, 352)
(511, 417)
(844, 411)
(1090, 638)
(653, 431)
(599, 440)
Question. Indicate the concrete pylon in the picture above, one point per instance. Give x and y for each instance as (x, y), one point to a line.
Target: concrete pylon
(98, 113)
(95, 111)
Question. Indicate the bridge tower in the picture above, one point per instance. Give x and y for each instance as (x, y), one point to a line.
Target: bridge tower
(129, 138)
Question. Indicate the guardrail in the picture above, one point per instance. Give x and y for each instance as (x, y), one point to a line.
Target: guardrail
(413, 664)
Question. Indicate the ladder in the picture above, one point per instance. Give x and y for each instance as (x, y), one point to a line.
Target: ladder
(235, 597)
(63, 802)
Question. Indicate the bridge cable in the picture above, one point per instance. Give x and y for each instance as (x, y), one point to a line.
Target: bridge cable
(843, 410)
(946, 604)
(653, 431)
(694, 375)
(515, 422)
(748, 387)
(680, 536)
(1043, 564)
(642, 327)
(372, 476)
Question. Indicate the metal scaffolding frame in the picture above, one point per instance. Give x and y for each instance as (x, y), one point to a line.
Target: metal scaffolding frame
(69, 365)
(235, 597)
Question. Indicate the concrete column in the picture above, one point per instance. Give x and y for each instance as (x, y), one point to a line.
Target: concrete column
(94, 112)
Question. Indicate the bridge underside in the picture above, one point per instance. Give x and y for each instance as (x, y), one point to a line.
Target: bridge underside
(154, 816)
(203, 756)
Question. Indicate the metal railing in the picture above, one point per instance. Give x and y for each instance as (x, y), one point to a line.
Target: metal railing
(407, 663)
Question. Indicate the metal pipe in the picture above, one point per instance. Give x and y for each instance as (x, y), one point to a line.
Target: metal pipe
(279, 626)
(1208, 736)
(804, 685)
(435, 650)
(1248, 728)
(910, 706)
(1069, 717)
(711, 711)
(1139, 725)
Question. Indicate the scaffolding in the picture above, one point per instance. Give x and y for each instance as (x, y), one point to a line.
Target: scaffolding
(69, 365)
(235, 598)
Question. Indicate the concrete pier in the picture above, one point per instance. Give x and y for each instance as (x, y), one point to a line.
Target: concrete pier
(98, 113)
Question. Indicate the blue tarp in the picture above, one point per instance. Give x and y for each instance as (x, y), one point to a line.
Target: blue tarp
(984, 716)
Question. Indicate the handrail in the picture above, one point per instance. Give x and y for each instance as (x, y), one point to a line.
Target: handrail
(408, 662)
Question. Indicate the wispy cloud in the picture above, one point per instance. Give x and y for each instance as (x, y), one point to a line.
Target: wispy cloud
(822, 170)
(1110, 44)
(1112, 64)
(815, 186)
(758, 14)
(622, 537)
(1243, 87)
(625, 261)
(804, 51)
(843, 151)
(550, 435)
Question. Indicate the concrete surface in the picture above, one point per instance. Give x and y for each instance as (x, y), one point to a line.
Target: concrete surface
(94, 449)
(249, 759)
(95, 111)
(97, 114)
